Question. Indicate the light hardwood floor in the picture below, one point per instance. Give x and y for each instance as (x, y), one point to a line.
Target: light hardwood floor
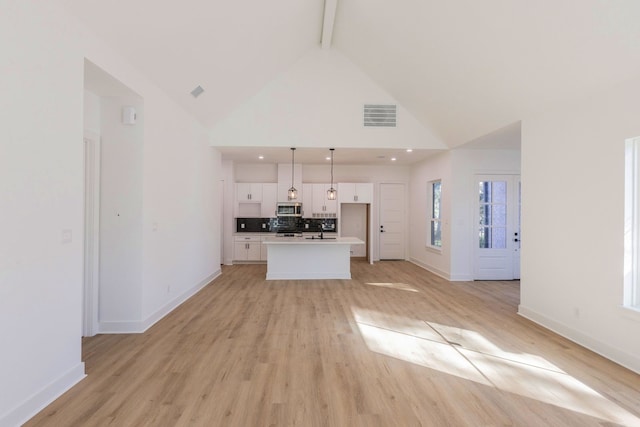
(395, 346)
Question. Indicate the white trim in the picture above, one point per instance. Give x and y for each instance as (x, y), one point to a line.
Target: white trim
(129, 327)
(39, 400)
(614, 354)
(631, 224)
(430, 268)
(91, 142)
(631, 313)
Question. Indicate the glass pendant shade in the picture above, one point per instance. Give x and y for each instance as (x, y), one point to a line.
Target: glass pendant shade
(332, 194)
(292, 194)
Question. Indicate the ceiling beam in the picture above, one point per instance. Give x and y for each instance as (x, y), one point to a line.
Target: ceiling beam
(330, 7)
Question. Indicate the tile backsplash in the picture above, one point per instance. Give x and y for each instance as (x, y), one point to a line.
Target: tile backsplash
(285, 225)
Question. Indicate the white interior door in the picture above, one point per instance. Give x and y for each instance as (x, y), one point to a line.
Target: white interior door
(91, 233)
(497, 239)
(392, 221)
(517, 236)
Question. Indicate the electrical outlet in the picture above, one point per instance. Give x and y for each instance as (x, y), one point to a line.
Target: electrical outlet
(66, 236)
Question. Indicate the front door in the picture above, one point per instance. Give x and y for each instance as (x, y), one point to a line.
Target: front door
(497, 237)
(392, 221)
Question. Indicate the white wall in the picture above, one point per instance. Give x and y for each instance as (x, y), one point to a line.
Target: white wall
(319, 99)
(465, 165)
(434, 168)
(257, 172)
(457, 169)
(91, 113)
(572, 222)
(41, 192)
(353, 221)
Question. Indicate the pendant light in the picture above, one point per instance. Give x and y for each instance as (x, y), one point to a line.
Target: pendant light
(293, 193)
(332, 194)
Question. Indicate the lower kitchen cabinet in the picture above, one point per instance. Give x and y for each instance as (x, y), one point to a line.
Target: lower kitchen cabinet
(247, 248)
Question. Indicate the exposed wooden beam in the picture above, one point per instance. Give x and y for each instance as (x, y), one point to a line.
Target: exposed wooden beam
(330, 7)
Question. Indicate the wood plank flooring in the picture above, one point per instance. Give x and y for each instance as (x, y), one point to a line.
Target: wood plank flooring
(395, 346)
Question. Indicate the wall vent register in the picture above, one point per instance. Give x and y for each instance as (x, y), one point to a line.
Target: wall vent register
(379, 115)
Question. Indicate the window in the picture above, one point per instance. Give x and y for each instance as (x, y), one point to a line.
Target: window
(493, 215)
(632, 224)
(435, 214)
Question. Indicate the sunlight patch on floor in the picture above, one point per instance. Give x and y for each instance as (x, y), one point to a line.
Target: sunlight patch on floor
(469, 355)
(400, 286)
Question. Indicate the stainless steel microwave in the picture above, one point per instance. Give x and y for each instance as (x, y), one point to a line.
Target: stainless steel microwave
(289, 209)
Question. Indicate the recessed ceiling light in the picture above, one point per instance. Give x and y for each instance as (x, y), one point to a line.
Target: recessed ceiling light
(409, 150)
(393, 159)
(327, 158)
(261, 157)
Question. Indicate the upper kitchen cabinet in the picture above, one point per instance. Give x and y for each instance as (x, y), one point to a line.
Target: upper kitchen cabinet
(315, 203)
(269, 200)
(355, 192)
(323, 207)
(307, 200)
(256, 200)
(247, 192)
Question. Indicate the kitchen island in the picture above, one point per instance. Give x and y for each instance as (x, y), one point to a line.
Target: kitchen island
(299, 258)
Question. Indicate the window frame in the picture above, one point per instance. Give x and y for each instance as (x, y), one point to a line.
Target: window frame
(431, 217)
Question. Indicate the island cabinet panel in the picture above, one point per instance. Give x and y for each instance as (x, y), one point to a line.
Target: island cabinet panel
(361, 192)
(309, 257)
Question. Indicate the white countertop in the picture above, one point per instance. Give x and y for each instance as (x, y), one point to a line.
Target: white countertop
(330, 240)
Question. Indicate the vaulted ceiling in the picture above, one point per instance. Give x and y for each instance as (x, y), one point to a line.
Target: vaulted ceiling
(463, 68)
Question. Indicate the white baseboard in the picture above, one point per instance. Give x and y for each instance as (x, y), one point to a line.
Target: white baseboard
(135, 327)
(38, 401)
(429, 268)
(616, 355)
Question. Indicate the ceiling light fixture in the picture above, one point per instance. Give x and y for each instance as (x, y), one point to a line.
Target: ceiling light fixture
(261, 157)
(332, 194)
(409, 150)
(393, 159)
(292, 193)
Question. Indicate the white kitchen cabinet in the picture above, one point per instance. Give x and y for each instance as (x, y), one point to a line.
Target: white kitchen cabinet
(307, 200)
(269, 200)
(323, 207)
(361, 192)
(247, 248)
(248, 192)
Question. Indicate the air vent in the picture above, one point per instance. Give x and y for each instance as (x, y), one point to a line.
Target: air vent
(376, 115)
(197, 91)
